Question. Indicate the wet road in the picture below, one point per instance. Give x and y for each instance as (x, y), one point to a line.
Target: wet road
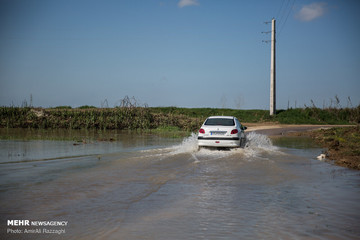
(269, 190)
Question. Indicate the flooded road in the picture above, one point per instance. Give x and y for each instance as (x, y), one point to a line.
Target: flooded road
(151, 187)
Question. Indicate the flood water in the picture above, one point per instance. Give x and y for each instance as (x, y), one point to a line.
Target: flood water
(144, 186)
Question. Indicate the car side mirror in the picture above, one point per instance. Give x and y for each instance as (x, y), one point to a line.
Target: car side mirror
(243, 128)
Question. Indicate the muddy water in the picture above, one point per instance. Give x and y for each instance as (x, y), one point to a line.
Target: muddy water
(150, 187)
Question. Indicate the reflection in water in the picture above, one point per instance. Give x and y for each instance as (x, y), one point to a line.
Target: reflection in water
(169, 190)
(78, 143)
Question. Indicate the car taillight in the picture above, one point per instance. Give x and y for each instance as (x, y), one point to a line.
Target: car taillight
(234, 131)
(201, 130)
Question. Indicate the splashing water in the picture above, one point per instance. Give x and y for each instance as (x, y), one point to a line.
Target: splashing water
(255, 145)
(188, 145)
(260, 141)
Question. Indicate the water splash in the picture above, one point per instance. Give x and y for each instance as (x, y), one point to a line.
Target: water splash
(188, 145)
(256, 144)
(255, 140)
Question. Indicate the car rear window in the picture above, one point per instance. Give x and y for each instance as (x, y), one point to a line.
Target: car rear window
(220, 121)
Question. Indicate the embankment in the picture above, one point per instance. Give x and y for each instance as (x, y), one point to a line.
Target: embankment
(342, 144)
(187, 119)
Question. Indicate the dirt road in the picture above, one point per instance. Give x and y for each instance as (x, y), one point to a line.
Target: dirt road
(271, 129)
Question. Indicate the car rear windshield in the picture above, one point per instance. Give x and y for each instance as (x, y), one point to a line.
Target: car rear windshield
(220, 121)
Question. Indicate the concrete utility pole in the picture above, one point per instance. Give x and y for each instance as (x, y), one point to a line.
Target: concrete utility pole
(273, 71)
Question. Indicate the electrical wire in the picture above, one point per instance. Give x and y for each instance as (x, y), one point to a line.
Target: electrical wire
(282, 4)
(287, 16)
(282, 16)
(283, 12)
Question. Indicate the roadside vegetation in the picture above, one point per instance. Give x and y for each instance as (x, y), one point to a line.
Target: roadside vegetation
(308, 115)
(93, 118)
(184, 119)
(130, 114)
(342, 145)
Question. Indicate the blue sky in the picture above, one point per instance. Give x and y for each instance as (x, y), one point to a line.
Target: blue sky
(184, 53)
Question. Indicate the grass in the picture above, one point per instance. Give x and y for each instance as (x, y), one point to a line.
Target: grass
(319, 116)
(203, 113)
(161, 118)
(342, 144)
(93, 118)
(170, 131)
(306, 115)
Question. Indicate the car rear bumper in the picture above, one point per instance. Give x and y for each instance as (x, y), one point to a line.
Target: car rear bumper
(218, 142)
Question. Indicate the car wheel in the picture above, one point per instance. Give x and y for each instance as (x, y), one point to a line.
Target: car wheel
(242, 142)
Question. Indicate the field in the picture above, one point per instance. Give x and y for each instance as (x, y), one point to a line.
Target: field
(162, 118)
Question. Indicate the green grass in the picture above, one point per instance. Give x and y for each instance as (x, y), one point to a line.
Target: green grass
(86, 107)
(63, 107)
(319, 116)
(290, 116)
(244, 115)
(170, 131)
(162, 118)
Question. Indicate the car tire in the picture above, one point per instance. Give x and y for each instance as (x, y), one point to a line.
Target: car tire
(242, 142)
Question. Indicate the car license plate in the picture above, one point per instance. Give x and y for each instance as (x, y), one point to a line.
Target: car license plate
(218, 132)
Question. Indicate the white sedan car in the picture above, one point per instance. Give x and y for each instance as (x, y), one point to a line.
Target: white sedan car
(221, 131)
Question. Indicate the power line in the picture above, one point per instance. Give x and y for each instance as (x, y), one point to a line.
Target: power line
(282, 4)
(289, 11)
(283, 12)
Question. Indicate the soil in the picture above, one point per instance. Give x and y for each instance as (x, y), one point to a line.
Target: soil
(342, 144)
